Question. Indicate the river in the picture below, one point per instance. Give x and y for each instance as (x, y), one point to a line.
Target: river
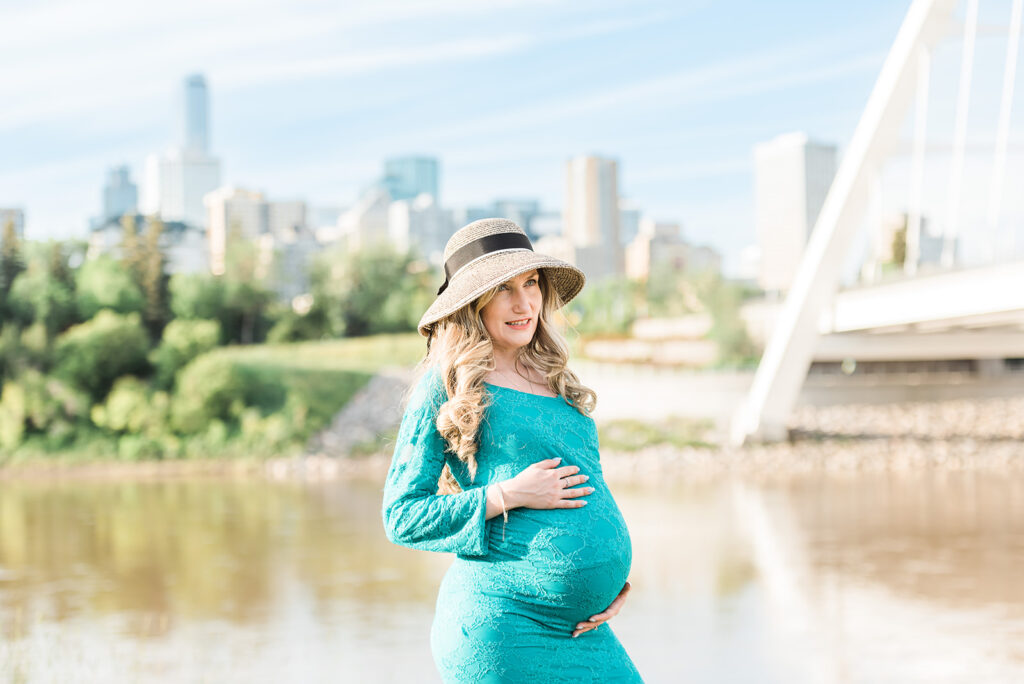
(910, 577)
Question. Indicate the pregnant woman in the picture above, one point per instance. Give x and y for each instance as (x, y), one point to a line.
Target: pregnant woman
(497, 461)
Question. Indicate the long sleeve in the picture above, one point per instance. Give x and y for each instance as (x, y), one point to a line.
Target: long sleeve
(414, 514)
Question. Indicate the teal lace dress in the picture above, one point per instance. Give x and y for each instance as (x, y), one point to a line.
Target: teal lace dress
(510, 601)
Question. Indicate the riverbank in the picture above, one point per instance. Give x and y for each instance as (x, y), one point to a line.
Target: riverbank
(955, 435)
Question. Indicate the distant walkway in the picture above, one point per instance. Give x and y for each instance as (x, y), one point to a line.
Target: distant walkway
(653, 393)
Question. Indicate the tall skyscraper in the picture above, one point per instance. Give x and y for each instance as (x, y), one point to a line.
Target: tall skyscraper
(175, 183)
(196, 113)
(120, 195)
(592, 215)
(406, 178)
(792, 178)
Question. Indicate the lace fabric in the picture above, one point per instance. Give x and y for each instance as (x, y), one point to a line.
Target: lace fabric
(506, 609)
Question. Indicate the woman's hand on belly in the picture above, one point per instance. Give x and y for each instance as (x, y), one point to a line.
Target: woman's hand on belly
(543, 485)
(608, 613)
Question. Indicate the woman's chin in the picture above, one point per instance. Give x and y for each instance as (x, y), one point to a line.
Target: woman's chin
(521, 339)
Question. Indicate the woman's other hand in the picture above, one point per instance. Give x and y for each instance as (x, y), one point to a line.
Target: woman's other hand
(545, 485)
(609, 612)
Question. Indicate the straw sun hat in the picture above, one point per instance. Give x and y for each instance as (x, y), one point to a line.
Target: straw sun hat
(485, 254)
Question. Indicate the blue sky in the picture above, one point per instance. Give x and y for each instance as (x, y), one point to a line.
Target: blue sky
(308, 98)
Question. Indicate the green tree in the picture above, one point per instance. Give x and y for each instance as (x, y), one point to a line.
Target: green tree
(58, 268)
(103, 283)
(242, 308)
(899, 245)
(371, 291)
(12, 264)
(247, 298)
(35, 296)
(197, 296)
(723, 299)
(154, 279)
(608, 306)
(665, 291)
(238, 299)
(132, 252)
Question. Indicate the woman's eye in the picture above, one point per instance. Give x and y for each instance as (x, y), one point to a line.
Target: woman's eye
(502, 287)
(531, 281)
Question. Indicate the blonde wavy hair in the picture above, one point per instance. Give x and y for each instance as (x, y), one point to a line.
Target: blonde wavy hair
(461, 349)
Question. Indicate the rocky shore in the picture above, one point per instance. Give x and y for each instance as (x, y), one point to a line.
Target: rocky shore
(977, 434)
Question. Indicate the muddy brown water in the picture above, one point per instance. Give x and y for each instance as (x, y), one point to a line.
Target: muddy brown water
(912, 577)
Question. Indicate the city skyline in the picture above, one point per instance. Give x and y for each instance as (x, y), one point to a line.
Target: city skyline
(678, 93)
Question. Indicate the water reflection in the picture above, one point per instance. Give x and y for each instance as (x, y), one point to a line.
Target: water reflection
(858, 578)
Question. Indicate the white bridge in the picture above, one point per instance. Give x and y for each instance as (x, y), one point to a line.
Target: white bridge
(970, 313)
(954, 313)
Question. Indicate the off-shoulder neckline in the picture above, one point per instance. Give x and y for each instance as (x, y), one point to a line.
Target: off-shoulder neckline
(529, 394)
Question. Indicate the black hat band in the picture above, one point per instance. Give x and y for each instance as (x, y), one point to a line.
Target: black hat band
(477, 248)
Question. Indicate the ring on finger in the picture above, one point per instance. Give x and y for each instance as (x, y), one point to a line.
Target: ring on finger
(565, 482)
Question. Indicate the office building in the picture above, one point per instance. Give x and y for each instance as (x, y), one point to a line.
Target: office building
(629, 221)
(365, 223)
(120, 194)
(548, 223)
(792, 178)
(407, 178)
(233, 213)
(286, 218)
(519, 211)
(591, 215)
(422, 226)
(15, 216)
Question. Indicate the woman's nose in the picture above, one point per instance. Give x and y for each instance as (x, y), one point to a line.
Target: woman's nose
(519, 301)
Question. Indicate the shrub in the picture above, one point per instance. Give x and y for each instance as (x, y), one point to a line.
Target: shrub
(36, 403)
(208, 389)
(13, 354)
(131, 407)
(182, 341)
(12, 415)
(294, 327)
(93, 354)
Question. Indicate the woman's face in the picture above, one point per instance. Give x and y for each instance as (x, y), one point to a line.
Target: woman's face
(511, 316)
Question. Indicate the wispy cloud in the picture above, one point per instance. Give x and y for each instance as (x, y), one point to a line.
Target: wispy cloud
(73, 59)
(732, 79)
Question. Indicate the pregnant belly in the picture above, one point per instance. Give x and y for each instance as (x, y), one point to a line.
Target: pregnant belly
(561, 566)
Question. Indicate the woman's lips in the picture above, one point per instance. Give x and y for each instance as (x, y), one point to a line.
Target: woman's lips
(519, 324)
